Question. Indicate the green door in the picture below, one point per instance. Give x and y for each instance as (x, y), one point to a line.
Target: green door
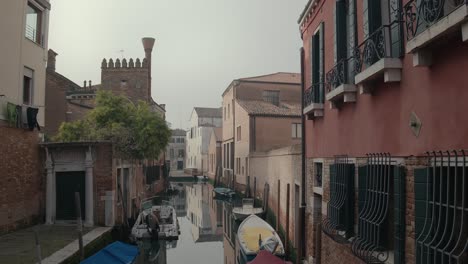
(67, 183)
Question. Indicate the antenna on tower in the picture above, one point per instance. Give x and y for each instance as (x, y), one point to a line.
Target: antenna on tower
(121, 53)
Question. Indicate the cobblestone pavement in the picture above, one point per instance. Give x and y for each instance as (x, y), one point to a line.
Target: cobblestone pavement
(19, 247)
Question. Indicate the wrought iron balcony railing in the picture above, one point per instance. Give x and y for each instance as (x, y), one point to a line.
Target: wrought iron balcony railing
(421, 14)
(338, 75)
(314, 94)
(385, 42)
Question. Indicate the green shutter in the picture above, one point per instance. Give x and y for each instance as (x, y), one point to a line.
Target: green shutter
(421, 181)
(322, 61)
(349, 209)
(399, 183)
(362, 186)
(340, 26)
(374, 15)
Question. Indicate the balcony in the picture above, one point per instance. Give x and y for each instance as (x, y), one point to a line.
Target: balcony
(427, 21)
(339, 88)
(313, 101)
(377, 58)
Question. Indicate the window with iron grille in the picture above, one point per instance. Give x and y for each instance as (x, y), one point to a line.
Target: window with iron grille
(381, 224)
(441, 209)
(271, 97)
(339, 221)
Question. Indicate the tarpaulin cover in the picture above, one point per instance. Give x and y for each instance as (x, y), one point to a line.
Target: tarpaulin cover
(265, 257)
(115, 253)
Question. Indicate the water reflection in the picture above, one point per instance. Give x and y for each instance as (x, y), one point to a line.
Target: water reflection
(203, 234)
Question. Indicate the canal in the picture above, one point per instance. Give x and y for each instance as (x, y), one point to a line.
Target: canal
(204, 238)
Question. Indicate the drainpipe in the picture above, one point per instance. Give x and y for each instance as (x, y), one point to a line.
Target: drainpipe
(303, 229)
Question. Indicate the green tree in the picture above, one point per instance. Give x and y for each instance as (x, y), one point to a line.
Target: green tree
(135, 131)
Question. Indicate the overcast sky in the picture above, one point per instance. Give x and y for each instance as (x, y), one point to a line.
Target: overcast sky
(201, 45)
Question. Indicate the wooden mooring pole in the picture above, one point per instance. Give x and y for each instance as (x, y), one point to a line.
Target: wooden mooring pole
(278, 207)
(255, 189)
(286, 242)
(79, 224)
(38, 247)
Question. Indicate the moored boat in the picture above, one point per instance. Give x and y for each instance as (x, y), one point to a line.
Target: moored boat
(240, 213)
(223, 193)
(166, 217)
(116, 252)
(255, 234)
(265, 257)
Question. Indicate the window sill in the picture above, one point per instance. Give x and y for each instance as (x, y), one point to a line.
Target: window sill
(313, 110)
(420, 43)
(388, 68)
(35, 43)
(318, 190)
(345, 93)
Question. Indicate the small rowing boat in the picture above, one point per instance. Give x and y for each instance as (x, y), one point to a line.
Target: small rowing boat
(240, 213)
(255, 234)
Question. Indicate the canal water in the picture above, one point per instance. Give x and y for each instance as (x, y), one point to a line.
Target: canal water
(204, 238)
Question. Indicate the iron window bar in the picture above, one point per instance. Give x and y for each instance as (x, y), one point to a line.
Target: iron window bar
(444, 236)
(373, 215)
(421, 14)
(338, 224)
(314, 94)
(338, 75)
(382, 43)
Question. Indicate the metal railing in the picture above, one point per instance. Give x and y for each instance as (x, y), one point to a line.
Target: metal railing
(369, 244)
(421, 14)
(314, 94)
(444, 235)
(339, 224)
(385, 42)
(338, 75)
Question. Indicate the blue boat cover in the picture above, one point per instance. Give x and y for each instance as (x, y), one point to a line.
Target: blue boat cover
(115, 253)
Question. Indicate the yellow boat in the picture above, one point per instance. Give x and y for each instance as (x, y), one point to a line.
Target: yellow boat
(254, 234)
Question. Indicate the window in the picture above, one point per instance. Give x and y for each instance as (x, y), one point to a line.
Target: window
(296, 130)
(317, 64)
(118, 184)
(339, 222)
(171, 153)
(28, 84)
(271, 97)
(440, 198)
(33, 30)
(182, 140)
(318, 174)
(224, 113)
(181, 153)
(239, 136)
(229, 111)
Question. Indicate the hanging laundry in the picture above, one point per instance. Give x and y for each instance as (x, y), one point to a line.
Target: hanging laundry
(11, 114)
(19, 116)
(31, 114)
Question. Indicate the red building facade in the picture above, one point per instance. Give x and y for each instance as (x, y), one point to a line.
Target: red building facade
(384, 99)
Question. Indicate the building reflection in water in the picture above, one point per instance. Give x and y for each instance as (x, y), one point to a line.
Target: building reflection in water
(207, 226)
(204, 213)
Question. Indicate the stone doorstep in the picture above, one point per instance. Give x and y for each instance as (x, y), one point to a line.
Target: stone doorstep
(69, 250)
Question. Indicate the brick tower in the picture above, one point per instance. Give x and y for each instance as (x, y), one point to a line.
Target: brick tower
(130, 78)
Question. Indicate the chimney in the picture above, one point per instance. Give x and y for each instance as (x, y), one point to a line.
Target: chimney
(84, 85)
(148, 44)
(51, 59)
(89, 84)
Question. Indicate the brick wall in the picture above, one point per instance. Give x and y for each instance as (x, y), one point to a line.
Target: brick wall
(22, 179)
(104, 180)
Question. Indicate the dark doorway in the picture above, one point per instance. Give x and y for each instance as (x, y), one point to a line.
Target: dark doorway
(180, 165)
(67, 183)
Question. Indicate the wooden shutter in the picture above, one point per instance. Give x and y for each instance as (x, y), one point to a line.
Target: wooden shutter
(322, 61)
(340, 27)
